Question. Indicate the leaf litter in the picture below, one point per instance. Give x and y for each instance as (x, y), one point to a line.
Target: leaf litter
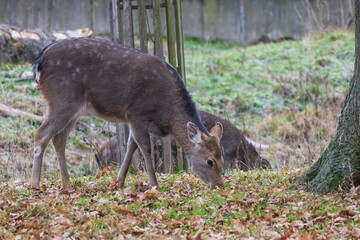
(252, 205)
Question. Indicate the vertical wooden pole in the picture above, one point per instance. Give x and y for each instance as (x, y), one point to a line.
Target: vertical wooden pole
(114, 21)
(181, 162)
(142, 26)
(170, 26)
(144, 47)
(158, 51)
(158, 45)
(129, 41)
(128, 24)
(115, 37)
(179, 39)
(170, 17)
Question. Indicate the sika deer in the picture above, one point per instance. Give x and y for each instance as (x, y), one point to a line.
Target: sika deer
(238, 152)
(93, 77)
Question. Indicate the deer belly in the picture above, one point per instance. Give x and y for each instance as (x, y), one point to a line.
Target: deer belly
(91, 111)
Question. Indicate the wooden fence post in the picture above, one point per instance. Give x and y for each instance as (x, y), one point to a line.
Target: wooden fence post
(170, 26)
(115, 29)
(142, 26)
(182, 162)
(158, 45)
(179, 39)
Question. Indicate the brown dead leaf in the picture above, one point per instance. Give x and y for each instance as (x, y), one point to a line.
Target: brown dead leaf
(3, 222)
(280, 220)
(122, 210)
(224, 193)
(243, 188)
(252, 200)
(113, 185)
(64, 210)
(130, 219)
(297, 223)
(197, 221)
(268, 234)
(152, 193)
(346, 213)
(287, 233)
(176, 223)
(278, 189)
(65, 192)
(30, 224)
(238, 226)
(60, 220)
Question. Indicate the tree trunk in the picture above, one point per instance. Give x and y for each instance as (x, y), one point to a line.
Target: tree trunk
(339, 165)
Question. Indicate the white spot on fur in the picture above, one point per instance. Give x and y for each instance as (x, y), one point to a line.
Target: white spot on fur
(77, 45)
(84, 79)
(58, 62)
(77, 70)
(37, 151)
(69, 64)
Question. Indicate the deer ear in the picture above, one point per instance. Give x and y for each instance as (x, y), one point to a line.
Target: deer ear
(217, 131)
(194, 133)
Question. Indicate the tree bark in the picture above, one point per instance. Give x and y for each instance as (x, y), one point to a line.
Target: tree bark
(338, 168)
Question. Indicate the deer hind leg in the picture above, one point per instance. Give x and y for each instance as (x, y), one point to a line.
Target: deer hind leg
(55, 122)
(131, 147)
(59, 141)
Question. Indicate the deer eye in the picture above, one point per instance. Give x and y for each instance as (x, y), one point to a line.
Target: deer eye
(210, 162)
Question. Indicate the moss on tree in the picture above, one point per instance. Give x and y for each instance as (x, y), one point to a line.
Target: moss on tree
(339, 165)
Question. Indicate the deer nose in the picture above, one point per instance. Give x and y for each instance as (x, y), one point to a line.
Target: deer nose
(219, 184)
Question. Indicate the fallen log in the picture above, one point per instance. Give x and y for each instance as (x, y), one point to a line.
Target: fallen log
(9, 111)
(12, 112)
(18, 45)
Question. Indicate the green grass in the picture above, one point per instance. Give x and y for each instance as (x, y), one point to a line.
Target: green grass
(268, 77)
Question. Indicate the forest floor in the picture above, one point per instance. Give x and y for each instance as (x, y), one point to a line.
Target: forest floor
(286, 95)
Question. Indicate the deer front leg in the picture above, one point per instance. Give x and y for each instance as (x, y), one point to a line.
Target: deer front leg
(142, 138)
(131, 147)
(146, 150)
